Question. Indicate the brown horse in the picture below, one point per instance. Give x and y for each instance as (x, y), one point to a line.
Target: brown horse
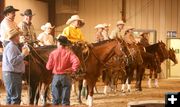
(98, 55)
(172, 57)
(159, 50)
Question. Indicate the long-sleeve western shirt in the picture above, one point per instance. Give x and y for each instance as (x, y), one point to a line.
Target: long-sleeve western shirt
(62, 59)
(13, 59)
(73, 34)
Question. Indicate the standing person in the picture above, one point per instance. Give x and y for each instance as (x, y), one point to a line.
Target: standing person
(99, 36)
(119, 31)
(7, 23)
(62, 62)
(105, 32)
(27, 27)
(13, 67)
(45, 37)
(73, 31)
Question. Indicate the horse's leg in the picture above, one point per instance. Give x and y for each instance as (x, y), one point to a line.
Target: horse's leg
(139, 76)
(90, 93)
(130, 77)
(80, 84)
(32, 91)
(150, 78)
(74, 88)
(156, 79)
(124, 78)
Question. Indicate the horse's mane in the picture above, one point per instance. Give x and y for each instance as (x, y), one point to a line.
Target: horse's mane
(48, 47)
(102, 42)
(152, 47)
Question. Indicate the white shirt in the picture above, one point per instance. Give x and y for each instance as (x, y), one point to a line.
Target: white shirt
(45, 39)
(5, 26)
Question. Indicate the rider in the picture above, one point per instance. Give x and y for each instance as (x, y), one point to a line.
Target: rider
(45, 37)
(73, 31)
(119, 31)
(99, 36)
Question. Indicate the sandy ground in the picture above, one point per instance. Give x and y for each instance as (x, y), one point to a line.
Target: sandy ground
(118, 99)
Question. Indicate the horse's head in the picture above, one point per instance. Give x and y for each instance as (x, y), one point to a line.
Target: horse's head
(162, 50)
(172, 56)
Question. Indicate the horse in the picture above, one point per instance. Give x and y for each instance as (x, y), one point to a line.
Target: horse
(172, 57)
(98, 55)
(157, 49)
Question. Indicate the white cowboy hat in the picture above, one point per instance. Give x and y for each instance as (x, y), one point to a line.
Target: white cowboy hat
(120, 22)
(13, 32)
(99, 26)
(47, 25)
(73, 18)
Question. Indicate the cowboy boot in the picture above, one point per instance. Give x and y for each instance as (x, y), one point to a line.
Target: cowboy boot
(156, 83)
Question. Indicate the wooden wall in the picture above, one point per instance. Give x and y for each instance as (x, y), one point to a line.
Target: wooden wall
(162, 15)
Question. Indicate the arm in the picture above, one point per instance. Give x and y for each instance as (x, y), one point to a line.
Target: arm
(50, 63)
(75, 63)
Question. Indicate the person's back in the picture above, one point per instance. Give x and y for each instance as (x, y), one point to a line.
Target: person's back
(62, 62)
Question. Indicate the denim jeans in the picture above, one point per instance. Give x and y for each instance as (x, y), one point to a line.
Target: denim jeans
(61, 88)
(13, 86)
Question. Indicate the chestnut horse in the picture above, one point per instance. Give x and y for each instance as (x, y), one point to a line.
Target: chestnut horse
(157, 49)
(99, 54)
(172, 57)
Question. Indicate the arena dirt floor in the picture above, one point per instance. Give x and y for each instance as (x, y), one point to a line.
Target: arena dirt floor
(119, 99)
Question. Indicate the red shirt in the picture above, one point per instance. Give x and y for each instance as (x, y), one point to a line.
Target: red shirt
(61, 59)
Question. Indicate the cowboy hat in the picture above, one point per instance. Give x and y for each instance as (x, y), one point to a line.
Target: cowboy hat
(27, 12)
(9, 9)
(99, 26)
(13, 32)
(47, 25)
(73, 18)
(120, 22)
(63, 40)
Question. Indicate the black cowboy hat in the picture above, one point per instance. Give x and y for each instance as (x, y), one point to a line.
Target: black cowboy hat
(63, 40)
(9, 9)
(27, 12)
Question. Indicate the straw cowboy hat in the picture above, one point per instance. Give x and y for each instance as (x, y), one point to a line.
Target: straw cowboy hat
(74, 18)
(9, 9)
(27, 12)
(99, 26)
(47, 25)
(13, 32)
(63, 40)
(120, 22)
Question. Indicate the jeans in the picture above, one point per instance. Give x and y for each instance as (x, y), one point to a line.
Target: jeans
(13, 86)
(61, 88)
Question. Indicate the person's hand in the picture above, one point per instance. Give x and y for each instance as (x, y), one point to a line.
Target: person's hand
(68, 71)
(25, 51)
